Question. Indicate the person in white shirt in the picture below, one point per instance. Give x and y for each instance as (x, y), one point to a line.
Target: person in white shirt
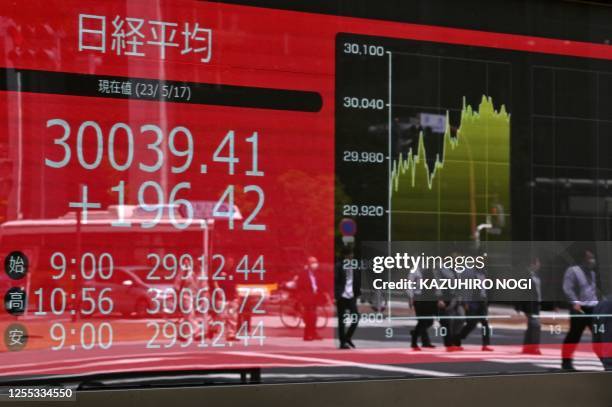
(581, 289)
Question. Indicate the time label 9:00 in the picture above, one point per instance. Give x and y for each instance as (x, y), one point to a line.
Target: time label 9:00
(169, 266)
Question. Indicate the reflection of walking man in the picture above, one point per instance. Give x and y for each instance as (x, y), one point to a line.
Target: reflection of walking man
(477, 310)
(604, 341)
(452, 312)
(580, 288)
(426, 303)
(308, 291)
(347, 289)
(531, 308)
(228, 303)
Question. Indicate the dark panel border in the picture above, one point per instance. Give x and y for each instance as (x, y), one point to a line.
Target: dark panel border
(564, 19)
(559, 390)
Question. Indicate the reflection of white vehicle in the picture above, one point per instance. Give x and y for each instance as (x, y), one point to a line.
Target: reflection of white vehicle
(132, 296)
(69, 254)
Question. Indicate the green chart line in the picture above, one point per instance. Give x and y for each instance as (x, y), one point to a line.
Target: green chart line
(482, 135)
(469, 179)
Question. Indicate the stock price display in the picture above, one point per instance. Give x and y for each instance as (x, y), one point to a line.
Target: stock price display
(189, 186)
(155, 190)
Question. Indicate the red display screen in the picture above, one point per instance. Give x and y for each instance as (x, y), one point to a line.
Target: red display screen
(172, 175)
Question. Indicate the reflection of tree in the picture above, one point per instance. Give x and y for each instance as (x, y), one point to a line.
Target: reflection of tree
(307, 207)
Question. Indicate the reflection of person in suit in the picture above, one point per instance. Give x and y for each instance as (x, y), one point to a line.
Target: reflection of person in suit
(229, 317)
(308, 291)
(603, 346)
(347, 288)
(476, 309)
(581, 289)
(531, 308)
(452, 312)
(426, 303)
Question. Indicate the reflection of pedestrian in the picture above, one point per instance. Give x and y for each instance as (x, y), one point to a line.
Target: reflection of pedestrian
(197, 317)
(426, 304)
(531, 307)
(476, 310)
(604, 325)
(229, 311)
(347, 289)
(452, 312)
(580, 288)
(308, 292)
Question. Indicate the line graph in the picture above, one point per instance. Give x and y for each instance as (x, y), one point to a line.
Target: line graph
(448, 178)
(449, 162)
(476, 125)
(441, 118)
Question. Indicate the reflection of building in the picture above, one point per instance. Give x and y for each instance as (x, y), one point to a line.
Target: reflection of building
(577, 197)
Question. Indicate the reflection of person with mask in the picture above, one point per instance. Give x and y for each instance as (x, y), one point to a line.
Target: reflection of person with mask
(531, 308)
(580, 288)
(308, 290)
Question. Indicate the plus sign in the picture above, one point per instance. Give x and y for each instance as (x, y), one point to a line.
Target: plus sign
(84, 205)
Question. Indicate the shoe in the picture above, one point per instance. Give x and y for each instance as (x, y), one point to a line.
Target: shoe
(429, 345)
(350, 343)
(344, 346)
(487, 349)
(531, 352)
(454, 348)
(416, 348)
(567, 365)
(413, 339)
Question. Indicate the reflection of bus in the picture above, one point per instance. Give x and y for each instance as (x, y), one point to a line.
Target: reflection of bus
(67, 253)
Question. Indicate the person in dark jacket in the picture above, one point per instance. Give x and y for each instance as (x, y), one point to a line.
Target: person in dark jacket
(476, 309)
(426, 304)
(603, 324)
(531, 308)
(347, 288)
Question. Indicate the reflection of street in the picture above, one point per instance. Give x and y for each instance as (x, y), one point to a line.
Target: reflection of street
(285, 356)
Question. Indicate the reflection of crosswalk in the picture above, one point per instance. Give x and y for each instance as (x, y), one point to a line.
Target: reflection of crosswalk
(550, 358)
(550, 363)
(330, 361)
(287, 356)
